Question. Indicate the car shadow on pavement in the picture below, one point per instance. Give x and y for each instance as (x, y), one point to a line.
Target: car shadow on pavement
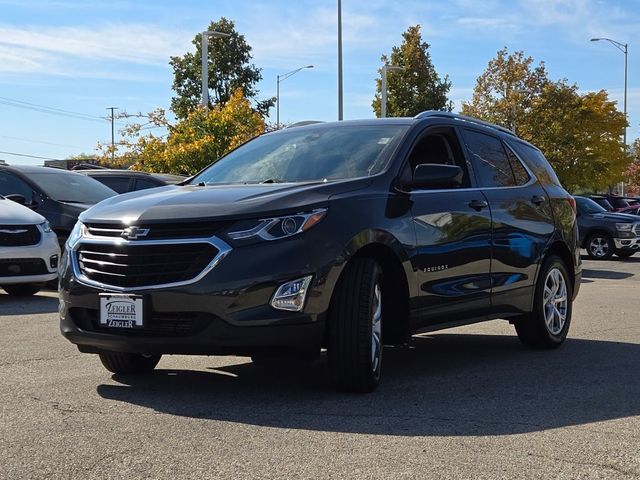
(27, 305)
(606, 274)
(446, 384)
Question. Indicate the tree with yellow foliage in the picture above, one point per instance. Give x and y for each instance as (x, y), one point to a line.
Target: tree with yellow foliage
(193, 143)
(580, 134)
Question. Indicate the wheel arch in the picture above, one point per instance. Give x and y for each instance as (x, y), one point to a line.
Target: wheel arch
(392, 258)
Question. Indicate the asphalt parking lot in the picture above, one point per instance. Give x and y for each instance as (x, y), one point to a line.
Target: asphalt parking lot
(459, 404)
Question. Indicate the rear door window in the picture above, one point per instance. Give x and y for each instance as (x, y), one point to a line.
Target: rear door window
(142, 184)
(119, 184)
(519, 172)
(489, 159)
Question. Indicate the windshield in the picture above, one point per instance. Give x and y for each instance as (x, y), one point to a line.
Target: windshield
(586, 205)
(71, 187)
(307, 154)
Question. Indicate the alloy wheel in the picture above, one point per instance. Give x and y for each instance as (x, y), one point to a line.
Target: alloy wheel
(555, 301)
(599, 247)
(376, 329)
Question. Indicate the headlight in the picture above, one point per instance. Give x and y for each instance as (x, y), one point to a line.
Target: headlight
(76, 234)
(624, 227)
(280, 227)
(45, 227)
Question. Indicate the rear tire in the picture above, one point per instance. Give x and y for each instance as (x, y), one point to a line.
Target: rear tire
(129, 363)
(548, 324)
(23, 289)
(600, 246)
(354, 347)
(626, 253)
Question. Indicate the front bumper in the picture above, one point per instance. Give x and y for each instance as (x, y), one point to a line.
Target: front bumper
(47, 250)
(224, 312)
(627, 243)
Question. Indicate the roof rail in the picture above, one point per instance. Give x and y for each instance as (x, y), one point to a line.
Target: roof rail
(463, 118)
(304, 123)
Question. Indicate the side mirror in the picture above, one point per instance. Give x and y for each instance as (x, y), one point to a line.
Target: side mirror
(434, 175)
(15, 197)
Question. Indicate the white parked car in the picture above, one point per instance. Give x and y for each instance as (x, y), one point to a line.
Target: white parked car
(29, 250)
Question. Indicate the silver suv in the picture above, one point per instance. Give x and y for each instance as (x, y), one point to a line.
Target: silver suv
(29, 250)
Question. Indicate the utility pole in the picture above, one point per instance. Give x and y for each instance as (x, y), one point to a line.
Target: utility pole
(386, 68)
(281, 78)
(624, 48)
(340, 97)
(113, 137)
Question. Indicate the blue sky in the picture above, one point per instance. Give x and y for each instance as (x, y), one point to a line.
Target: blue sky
(84, 56)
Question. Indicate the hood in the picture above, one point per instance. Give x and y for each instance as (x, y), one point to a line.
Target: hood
(12, 213)
(616, 217)
(219, 202)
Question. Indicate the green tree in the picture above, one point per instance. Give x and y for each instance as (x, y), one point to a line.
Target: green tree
(417, 87)
(230, 68)
(192, 143)
(581, 135)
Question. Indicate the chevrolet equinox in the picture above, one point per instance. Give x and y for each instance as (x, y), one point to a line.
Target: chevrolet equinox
(341, 236)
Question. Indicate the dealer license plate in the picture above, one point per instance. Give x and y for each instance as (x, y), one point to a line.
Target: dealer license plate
(121, 311)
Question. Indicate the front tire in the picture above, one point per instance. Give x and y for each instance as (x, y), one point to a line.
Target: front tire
(23, 289)
(354, 347)
(129, 363)
(548, 324)
(600, 246)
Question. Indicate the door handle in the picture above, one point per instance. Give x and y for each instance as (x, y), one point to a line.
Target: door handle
(538, 200)
(478, 204)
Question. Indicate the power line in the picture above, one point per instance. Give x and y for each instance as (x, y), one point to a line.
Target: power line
(50, 110)
(28, 156)
(45, 142)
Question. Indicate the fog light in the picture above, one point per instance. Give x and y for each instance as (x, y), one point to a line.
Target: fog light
(290, 296)
(53, 261)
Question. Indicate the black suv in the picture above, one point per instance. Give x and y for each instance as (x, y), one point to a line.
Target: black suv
(57, 195)
(604, 233)
(346, 236)
(124, 181)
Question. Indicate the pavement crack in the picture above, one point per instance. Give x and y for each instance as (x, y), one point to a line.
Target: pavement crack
(626, 472)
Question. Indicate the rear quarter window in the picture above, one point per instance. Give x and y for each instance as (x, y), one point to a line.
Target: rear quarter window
(537, 163)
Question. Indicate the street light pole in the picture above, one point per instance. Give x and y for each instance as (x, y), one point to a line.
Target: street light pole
(282, 78)
(113, 137)
(624, 48)
(204, 49)
(340, 97)
(386, 68)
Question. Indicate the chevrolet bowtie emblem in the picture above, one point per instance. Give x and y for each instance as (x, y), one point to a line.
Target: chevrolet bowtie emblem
(133, 233)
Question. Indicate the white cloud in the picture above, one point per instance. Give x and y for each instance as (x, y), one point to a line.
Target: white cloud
(65, 50)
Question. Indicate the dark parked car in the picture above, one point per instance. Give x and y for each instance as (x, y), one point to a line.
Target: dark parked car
(58, 195)
(123, 181)
(604, 233)
(602, 201)
(344, 235)
(632, 210)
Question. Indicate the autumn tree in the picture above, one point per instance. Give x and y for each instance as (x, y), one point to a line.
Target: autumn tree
(506, 88)
(193, 142)
(581, 135)
(417, 87)
(230, 69)
(632, 175)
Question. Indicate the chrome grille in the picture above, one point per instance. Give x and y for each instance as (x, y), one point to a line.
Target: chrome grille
(159, 231)
(129, 265)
